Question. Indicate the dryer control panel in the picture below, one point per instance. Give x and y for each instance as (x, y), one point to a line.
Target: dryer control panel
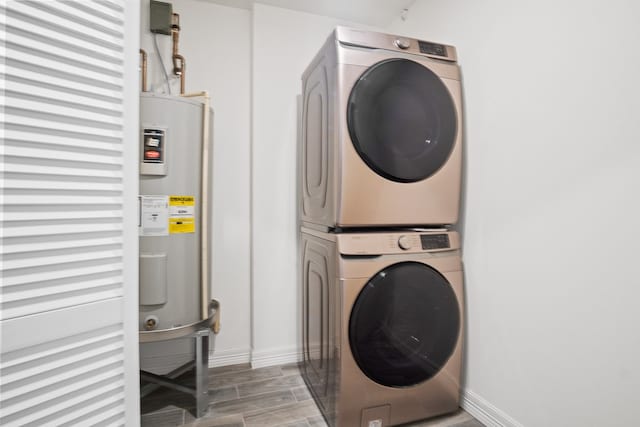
(373, 40)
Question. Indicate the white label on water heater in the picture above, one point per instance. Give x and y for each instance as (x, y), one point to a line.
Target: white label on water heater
(154, 216)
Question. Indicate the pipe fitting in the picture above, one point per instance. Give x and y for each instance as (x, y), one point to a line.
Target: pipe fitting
(151, 322)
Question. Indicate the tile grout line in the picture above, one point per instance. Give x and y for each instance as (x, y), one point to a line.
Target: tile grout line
(254, 395)
(274, 408)
(256, 411)
(270, 408)
(283, 388)
(247, 382)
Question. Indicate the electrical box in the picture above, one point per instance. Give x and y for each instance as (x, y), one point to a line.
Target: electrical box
(160, 17)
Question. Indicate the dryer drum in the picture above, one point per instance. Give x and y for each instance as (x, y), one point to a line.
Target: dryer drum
(402, 120)
(404, 325)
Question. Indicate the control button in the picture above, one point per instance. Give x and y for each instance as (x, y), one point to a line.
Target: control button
(153, 142)
(402, 43)
(404, 243)
(151, 154)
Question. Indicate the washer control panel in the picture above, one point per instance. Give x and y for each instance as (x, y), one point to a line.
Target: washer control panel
(398, 242)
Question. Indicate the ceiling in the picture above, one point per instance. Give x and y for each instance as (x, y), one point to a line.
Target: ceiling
(377, 13)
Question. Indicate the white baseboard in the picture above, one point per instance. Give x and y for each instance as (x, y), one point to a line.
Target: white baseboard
(485, 412)
(260, 359)
(229, 357)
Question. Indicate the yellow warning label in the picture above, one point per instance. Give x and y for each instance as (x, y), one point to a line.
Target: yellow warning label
(182, 214)
(182, 201)
(182, 225)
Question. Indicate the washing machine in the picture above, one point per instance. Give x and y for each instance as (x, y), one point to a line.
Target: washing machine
(381, 133)
(382, 325)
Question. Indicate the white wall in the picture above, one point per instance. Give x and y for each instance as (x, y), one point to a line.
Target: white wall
(552, 231)
(215, 41)
(284, 42)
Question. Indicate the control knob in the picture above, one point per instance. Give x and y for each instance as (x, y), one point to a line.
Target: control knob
(404, 243)
(402, 43)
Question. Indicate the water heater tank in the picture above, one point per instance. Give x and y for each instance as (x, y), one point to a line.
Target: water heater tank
(174, 216)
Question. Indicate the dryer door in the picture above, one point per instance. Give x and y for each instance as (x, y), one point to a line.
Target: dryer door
(404, 325)
(402, 120)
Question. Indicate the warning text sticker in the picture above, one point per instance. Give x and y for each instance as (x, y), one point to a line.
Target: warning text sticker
(154, 214)
(182, 214)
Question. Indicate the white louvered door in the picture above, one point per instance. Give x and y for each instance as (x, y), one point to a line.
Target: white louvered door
(68, 295)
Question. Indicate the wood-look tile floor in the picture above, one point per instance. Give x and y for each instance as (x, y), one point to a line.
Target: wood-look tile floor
(264, 397)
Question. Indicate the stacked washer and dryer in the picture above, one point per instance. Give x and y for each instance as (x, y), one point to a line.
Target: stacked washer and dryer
(382, 278)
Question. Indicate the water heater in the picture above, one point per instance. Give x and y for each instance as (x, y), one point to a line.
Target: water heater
(174, 216)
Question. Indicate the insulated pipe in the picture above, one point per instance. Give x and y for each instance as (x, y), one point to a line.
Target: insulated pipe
(143, 58)
(204, 210)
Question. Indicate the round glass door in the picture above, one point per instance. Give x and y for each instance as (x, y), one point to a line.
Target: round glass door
(402, 120)
(404, 325)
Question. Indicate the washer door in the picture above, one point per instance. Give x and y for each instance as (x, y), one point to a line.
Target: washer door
(404, 325)
(402, 120)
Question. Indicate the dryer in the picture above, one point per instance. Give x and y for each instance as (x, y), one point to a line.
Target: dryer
(381, 133)
(382, 325)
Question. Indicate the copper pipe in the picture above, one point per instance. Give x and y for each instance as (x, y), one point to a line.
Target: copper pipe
(179, 65)
(175, 31)
(179, 69)
(143, 58)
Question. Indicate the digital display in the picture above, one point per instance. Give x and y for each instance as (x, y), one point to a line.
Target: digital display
(432, 48)
(435, 241)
